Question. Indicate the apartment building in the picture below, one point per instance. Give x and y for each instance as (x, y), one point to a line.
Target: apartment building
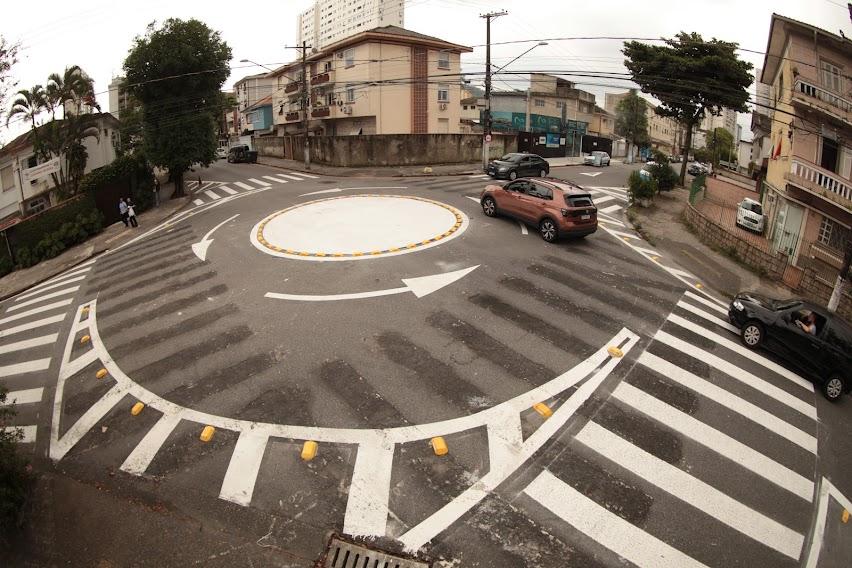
(330, 21)
(247, 92)
(387, 80)
(664, 133)
(119, 99)
(726, 120)
(807, 192)
(761, 124)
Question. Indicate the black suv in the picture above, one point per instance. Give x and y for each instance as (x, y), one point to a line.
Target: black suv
(515, 165)
(780, 326)
(242, 153)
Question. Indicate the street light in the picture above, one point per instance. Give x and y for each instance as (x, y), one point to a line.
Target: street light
(256, 63)
(521, 55)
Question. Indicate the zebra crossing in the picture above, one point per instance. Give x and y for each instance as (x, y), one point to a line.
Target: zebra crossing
(29, 330)
(750, 428)
(213, 191)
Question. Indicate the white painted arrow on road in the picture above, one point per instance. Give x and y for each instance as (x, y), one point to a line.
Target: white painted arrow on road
(591, 174)
(200, 248)
(339, 189)
(421, 286)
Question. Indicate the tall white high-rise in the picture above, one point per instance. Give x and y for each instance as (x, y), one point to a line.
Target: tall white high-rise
(328, 21)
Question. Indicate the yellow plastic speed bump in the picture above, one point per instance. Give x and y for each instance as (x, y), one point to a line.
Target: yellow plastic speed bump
(101, 374)
(614, 351)
(207, 433)
(85, 339)
(137, 408)
(845, 516)
(543, 409)
(309, 450)
(439, 446)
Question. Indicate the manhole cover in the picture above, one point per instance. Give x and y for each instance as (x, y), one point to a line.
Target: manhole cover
(343, 554)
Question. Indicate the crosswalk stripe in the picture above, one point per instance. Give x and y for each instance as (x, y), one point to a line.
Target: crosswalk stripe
(739, 349)
(691, 490)
(309, 176)
(25, 396)
(741, 375)
(37, 310)
(705, 388)
(680, 272)
(31, 325)
(717, 441)
(604, 199)
(51, 287)
(707, 316)
(140, 458)
(58, 280)
(238, 484)
(49, 296)
(228, 190)
(212, 195)
(261, 183)
(275, 179)
(198, 202)
(25, 367)
(290, 177)
(611, 209)
(647, 251)
(716, 305)
(242, 185)
(28, 343)
(605, 527)
(29, 432)
(478, 176)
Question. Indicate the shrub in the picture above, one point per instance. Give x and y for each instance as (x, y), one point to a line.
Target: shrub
(6, 265)
(659, 157)
(664, 175)
(15, 479)
(641, 188)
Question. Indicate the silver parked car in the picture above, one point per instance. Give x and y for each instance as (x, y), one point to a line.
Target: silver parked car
(596, 159)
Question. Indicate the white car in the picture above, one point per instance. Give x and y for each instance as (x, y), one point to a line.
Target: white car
(221, 152)
(596, 159)
(750, 215)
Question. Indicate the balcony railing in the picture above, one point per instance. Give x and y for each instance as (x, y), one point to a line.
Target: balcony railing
(813, 91)
(293, 116)
(322, 78)
(818, 180)
(321, 112)
(294, 87)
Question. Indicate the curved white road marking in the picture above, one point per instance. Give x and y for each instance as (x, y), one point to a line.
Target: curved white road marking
(200, 248)
(339, 189)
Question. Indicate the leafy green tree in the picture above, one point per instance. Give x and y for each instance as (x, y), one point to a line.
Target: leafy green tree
(631, 121)
(690, 77)
(703, 155)
(176, 73)
(72, 86)
(8, 58)
(719, 145)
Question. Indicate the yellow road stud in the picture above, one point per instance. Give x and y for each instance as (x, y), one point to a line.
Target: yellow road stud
(655, 258)
(85, 339)
(207, 433)
(86, 310)
(137, 408)
(101, 374)
(543, 409)
(845, 516)
(614, 351)
(699, 285)
(439, 446)
(309, 450)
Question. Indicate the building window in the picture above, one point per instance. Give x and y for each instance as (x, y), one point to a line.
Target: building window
(32, 161)
(349, 57)
(560, 104)
(350, 94)
(7, 178)
(326, 67)
(329, 99)
(831, 78)
(36, 205)
(539, 102)
(443, 93)
(443, 60)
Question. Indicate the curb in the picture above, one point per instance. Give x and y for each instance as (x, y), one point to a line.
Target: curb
(381, 175)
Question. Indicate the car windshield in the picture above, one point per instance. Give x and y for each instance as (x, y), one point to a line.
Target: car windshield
(786, 304)
(511, 158)
(753, 207)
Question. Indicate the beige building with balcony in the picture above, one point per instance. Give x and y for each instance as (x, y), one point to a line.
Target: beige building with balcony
(387, 80)
(808, 185)
(664, 133)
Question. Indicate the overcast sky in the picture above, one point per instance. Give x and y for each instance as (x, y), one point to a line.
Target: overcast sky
(97, 34)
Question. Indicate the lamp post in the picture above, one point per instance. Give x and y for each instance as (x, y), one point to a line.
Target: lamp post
(255, 63)
(521, 55)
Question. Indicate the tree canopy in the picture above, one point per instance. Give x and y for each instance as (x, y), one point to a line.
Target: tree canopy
(719, 144)
(631, 120)
(690, 77)
(176, 73)
(8, 57)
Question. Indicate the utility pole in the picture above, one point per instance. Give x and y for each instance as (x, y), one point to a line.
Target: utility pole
(305, 99)
(486, 127)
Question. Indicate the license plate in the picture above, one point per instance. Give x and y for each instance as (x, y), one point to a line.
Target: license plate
(585, 217)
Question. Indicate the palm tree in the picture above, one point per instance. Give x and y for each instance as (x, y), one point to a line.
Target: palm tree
(73, 85)
(28, 103)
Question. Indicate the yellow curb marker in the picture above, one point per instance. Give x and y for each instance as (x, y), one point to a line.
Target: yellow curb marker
(101, 374)
(439, 446)
(85, 339)
(207, 434)
(309, 450)
(655, 258)
(86, 310)
(699, 285)
(844, 516)
(137, 408)
(543, 409)
(614, 351)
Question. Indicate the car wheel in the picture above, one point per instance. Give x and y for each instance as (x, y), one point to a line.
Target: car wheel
(834, 388)
(513, 175)
(547, 229)
(542, 174)
(489, 207)
(752, 334)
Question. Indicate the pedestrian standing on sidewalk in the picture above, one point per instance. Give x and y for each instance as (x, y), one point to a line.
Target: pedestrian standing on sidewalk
(122, 210)
(156, 193)
(131, 213)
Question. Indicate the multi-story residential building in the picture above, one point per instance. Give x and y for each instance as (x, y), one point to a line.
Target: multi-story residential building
(761, 123)
(726, 120)
(664, 133)
(248, 91)
(119, 99)
(330, 21)
(807, 192)
(387, 80)
(603, 123)
(257, 118)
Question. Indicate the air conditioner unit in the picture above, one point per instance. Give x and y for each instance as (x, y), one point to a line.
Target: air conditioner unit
(442, 106)
(347, 110)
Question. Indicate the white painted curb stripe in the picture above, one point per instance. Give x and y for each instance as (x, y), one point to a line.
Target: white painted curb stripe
(741, 375)
(34, 311)
(259, 182)
(369, 491)
(48, 296)
(228, 190)
(717, 441)
(238, 485)
(243, 185)
(275, 179)
(309, 176)
(25, 367)
(611, 531)
(26, 396)
(31, 325)
(212, 195)
(611, 209)
(198, 202)
(51, 287)
(28, 431)
(707, 316)
(142, 455)
(826, 490)
(476, 199)
(28, 343)
(731, 401)
(691, 490)
(682, 273)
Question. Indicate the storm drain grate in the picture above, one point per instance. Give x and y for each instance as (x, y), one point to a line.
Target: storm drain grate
(347, 555)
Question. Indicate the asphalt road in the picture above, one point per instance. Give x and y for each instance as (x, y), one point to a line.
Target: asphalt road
(282, 308)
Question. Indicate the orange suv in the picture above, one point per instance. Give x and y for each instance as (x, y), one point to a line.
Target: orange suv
(558, 208)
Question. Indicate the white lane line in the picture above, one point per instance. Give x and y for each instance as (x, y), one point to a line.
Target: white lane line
(707, 316)
(369, 491)
(198, 202)
(752, 412)
(478, 176)
(57, 281)
(476, 199)
(259, 182)
(605, 527)
(51, 287)
(602, 219)
(523, 228)
(647, 251)
(243, 185)
(142, 455)
(739, 349)
(82, 264)
(38, 310)
(692, 490)
(29, 432)
(294, 178)
(275, 179)
(25, 396)
(28, 343)
(31, 325)
(624, 235)
(505, 436)
(309, 176)
(616, 195)
(212, 195)
(598, 200)
(749, 379)
(611, 209)
(683, 273)
(717, 441)
(228, 190)
(710, 302)
(238, 485)
(826, 490)
(49, 296)
(25, 367)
